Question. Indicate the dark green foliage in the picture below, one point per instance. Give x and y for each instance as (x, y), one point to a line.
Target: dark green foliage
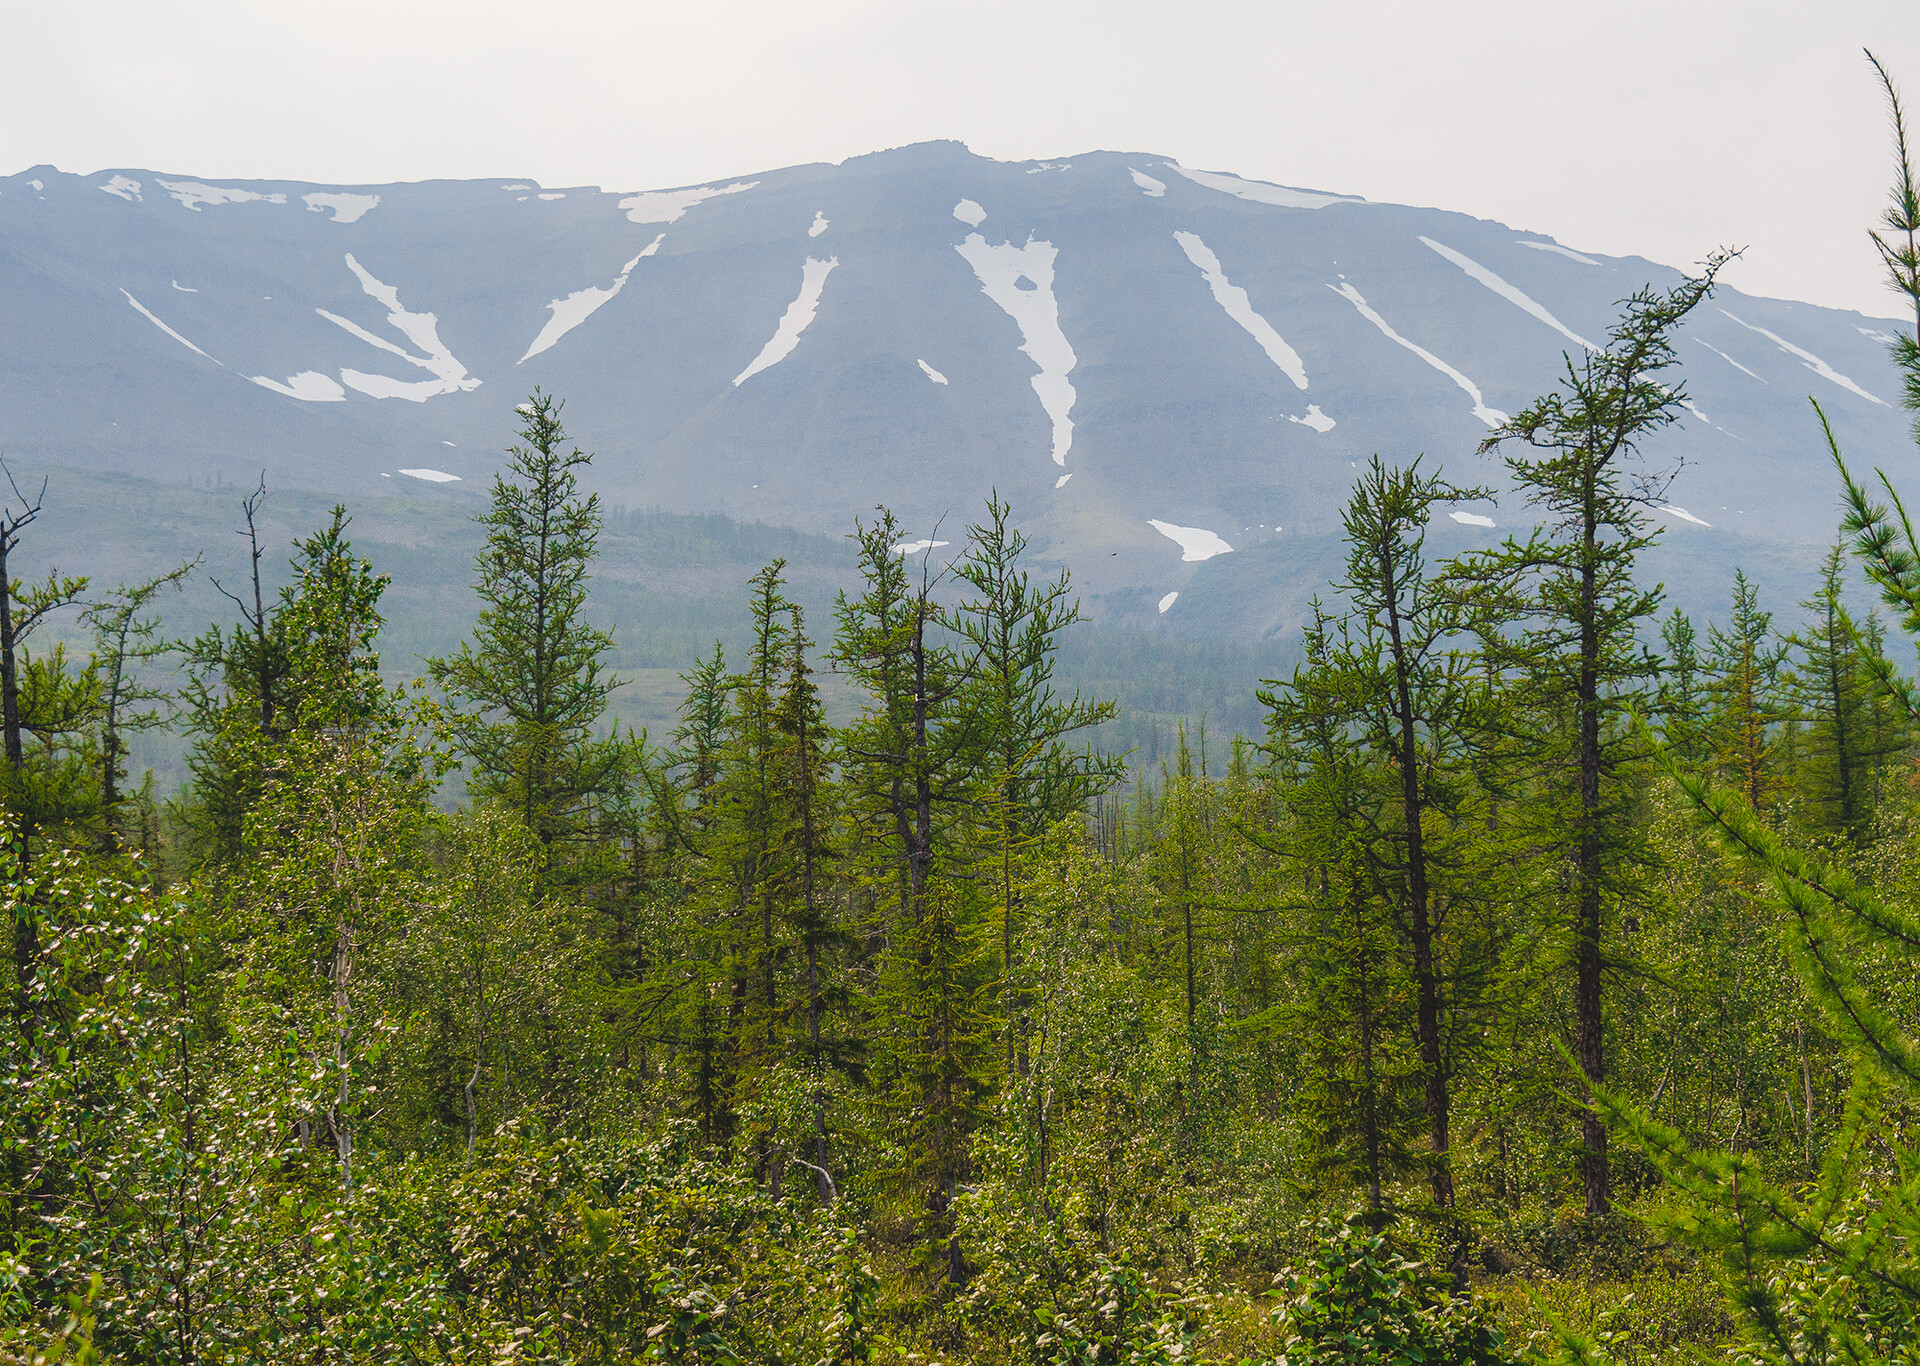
(529, 687)
(1357, 1301)
(865, 1022)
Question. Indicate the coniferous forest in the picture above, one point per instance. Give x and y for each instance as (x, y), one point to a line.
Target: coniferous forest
(1540, 985)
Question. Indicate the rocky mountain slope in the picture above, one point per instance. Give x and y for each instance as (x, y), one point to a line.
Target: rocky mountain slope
(1172, 373)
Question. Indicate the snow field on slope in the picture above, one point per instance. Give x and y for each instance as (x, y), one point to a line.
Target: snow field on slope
(1234, 302)
(1000, 270)
(577, 307)
(1511, 293)
(1195, 542)
(193, 194)
(347, 208)
(168, 330)
(813, 278)
(422, 329)
(666, 206)
(1729, 360)
(1151, 188)
(309, 386)
(1808, 359)
(1493, 417)
(1567, 252)
(1260, 192)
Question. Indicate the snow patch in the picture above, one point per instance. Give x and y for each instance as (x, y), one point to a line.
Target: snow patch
(1196, 543)
(1470, 519)
(124, 186)
(37, 186)
(577, 307)
(1000, 270)
(1169, 601)
(666, 206)
(184, 289)
(422, 329)
(1684, 515)
(1260, 192)
(516, 187)
(1151, 188)
(309, 386)
(347, 208)
(168, 330)
(1237, 306)
(1567, 252)
(1694, 408)
(432, 476)
(1061, 482)
(1315, 419)
(1493, 417)
(561, 194)
(1729, 359)
(933, 374)
(193, 194)
(913, 547)
(1050, 166)
(813, 278)
(1811, 361)
(969, 213)
(819, 224)
(1510, 293)
(1874, 334)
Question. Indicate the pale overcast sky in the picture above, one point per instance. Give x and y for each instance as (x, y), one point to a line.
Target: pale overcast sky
(1660, 129)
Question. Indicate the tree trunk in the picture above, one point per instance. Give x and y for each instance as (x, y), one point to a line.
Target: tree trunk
(1419, 919)
(1589, 1024)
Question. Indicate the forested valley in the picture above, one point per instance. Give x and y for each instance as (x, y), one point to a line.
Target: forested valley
(1539, 985)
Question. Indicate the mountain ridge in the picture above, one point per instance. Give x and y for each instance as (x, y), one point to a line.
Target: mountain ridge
(1172, 373)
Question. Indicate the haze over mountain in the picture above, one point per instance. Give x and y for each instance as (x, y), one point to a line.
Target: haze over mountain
(1171, 373)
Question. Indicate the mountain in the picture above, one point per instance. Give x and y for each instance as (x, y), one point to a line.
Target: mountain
(1173, 374)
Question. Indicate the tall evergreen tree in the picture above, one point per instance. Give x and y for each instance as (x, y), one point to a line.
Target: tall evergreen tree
(1012, 628)
(1575, 454)
(530, 687)
(1743, 666)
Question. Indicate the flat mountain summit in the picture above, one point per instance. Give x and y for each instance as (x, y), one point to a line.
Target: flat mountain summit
(1172, 374)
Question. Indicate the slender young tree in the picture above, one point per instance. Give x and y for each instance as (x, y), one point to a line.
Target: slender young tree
(529, 689)
(1743, 668)
(238, 701)
(24, 607)
(913, 762)
(1575, 454)
(125, 640)
(1680, 700)
(1012, 628)
(1833, 694)
(1418, 700)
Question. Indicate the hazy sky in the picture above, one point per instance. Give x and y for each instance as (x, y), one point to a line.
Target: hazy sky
(1661, 129)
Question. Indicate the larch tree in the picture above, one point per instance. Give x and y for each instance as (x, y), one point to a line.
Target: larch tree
(528, 690)
(1575, 455)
